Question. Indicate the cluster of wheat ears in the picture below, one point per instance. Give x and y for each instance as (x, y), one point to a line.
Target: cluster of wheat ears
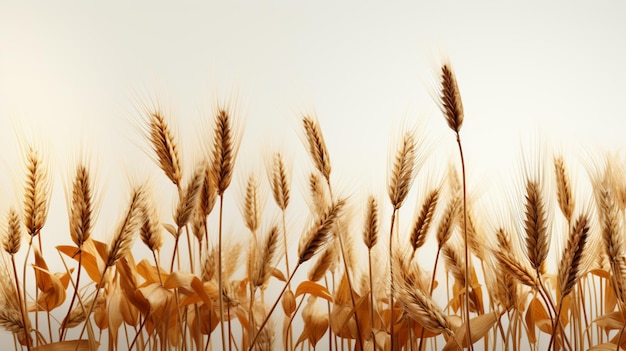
(497, 291)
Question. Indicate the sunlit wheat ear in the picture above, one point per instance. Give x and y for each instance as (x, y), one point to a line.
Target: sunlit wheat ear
(224, 150)
(564, 188)
(164, 145)
(319, 234)
(323, 264)
(423, 220)
(189, 200)
(370, 228)
(317, 146)
(209, 266)
(506, 286)
(208, 193)
(127, 229)
(11, 320)
(81, 206)
(12, 238)
(77, 316)
(572, 258)
(450, 101)
(266, 257)
(420, 306)
(611, 226)
(516, 269)
(319, 194)
(535, 226)
(280, 182)
(455, 262)
(252, 204)
(403, 169)
(36, 192)
(151, 232)
(447, 221)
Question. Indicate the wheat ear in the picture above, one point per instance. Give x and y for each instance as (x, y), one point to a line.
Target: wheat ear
(570, 264)
(317, 146)
(564, 188)
(535, 227)
(164, 146)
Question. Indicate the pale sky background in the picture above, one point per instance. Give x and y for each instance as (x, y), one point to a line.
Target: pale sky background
(73, 73)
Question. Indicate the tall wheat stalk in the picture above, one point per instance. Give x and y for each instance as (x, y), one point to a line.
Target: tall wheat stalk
(451, 105)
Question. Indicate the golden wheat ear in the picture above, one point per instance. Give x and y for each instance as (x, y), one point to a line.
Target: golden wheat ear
(564, 188)
(424, 219)
(317, 146)
(319, 234)
(127, 230)
(224, 150)
(403, 169)
(535, 226)
(450, 101)
(371, 228)
(36, 192)
(81, 206)
(164, 145)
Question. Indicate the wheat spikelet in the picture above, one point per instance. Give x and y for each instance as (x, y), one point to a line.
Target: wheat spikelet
(319, 195)
(323, 264)
(36, 192)
(564, 188)
(318, 235)
(208, 194)
(317, 146)
(151, 232)
(209, 266)
(454, 261)
(280, 182)
(424, 219)
(446, 224)
(252, 204)
(81, 207)
(164, 146)
(611, 227)
(266, 258)
(125, 235)
(370, 228)
(535, 226)
(512, 266)
(420, 306)
(11, 320)
(403, 170)
(450, 99)
(571, 260)
(188, 202)
(13, 237)
(224, 151)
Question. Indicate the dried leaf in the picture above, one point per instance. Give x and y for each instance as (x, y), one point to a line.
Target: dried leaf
(69, 345)
(480, 326)
(88, 261)
(315, 289)
(187, 284)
